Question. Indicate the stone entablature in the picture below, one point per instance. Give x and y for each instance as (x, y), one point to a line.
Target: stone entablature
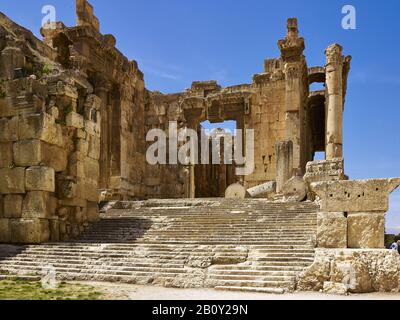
(325, 170)
(352, 213)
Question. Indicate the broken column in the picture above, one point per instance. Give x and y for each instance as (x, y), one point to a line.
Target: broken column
(334, 87)
(284, 164)
(295, 69)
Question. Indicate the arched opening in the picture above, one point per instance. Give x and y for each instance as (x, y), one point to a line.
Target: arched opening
(392, 220)
(213, 177)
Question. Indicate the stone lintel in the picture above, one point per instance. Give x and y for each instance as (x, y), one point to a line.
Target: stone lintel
(355, 195)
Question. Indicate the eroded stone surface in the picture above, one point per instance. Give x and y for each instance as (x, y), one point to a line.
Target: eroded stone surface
(355, 195)
(366, 230)
(362, 271)
(295, 190)
(332, 230)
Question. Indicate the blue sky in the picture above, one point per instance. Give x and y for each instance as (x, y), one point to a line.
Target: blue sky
(177, 41)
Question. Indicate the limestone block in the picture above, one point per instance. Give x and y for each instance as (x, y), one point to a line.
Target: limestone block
(5, 232)
(6, 154)
(87, 189)
(355, 195)
(84, 167)
(12, 58)
(27, 153)
(366, 230)
(335, 288)
(192, 278)
(12, 180)
(35, 152)
(38, 204)
(29, 231)
(92, 212)
(332, 230)
(295, 190)
(42, 127)
(236, 191)
(13, 206)
(361, 270)
(82, 146)
(91, 169)
(8, 129)
(75, 120)
(54, 157)
(40, 179)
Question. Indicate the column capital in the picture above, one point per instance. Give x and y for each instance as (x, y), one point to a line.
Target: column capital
(334, 56)
(292, 46)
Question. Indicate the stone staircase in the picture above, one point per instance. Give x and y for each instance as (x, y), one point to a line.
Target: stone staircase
(246, 245)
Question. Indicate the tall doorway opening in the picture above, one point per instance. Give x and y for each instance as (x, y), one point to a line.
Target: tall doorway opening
(212, 178)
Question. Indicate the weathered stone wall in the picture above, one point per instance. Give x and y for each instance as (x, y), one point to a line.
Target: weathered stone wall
(49, 146)
(352, 271)
(71, 128)
(119, 84)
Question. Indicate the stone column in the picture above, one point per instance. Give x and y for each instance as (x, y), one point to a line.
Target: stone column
(284, 163)
(334, 88)
(296, 71)
(102, 89)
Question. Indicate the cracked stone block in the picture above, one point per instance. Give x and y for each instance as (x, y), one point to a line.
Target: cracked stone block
(332, 230)
(366, 230)
(38, 204)
(13, 206)
(29, 230)
(40, 179)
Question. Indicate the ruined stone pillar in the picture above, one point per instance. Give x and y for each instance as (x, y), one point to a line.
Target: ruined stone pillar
(296, 72)
(284, 163)
(335, 101)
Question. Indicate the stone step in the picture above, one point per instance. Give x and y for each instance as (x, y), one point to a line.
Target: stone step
(200, 243)
(19, 277)
(73, 276)
(229, 277)
(253, 283)
(250, 272)
(284, 268)
(87, 272)
(251, 289)
(152, 243)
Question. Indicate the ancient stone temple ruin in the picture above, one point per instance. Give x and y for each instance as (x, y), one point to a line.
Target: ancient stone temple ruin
(74, 115)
